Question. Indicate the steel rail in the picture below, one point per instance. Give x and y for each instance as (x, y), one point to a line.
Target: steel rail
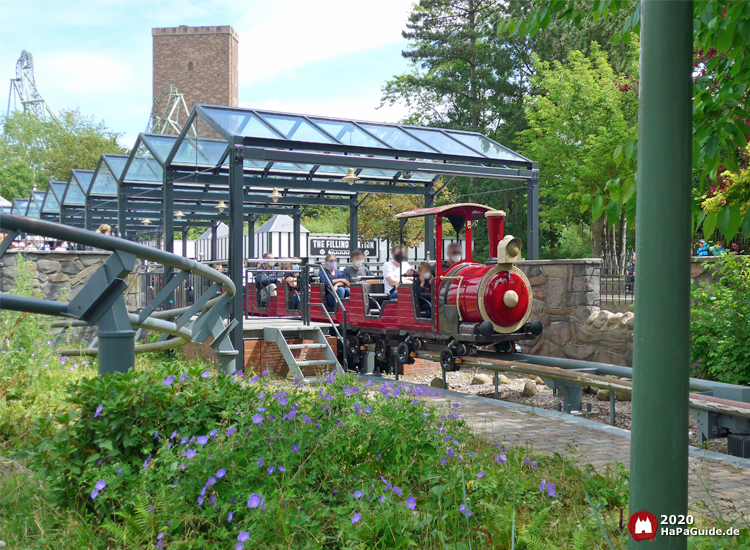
(155, 322)
(486, 361)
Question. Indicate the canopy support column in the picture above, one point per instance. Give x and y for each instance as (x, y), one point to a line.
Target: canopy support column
(236, 219)
(532, 214)
(214, 239)
(354, 224)
(184, 242)
(122, 222)
(251, 236)
(661, 355)
(168, 221)
(297, 232)
(88, 216)
(429, 225)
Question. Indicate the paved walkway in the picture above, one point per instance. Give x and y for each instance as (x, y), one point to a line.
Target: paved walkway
(719, 485)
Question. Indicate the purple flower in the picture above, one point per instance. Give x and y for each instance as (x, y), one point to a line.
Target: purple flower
(182, 377)
(202, 439)
(213, 433)
(174, 434)
(243, 536)
(205, 374)
(212, 499)
(270, 470)
(542, 485)
(159, 537)
(221, 473)
(94, 494)
(357, 494)
(552, 492)
(231, 431)
(455, 405)
(266, 372)
(502, 459)
(191, 453)
(49, 342)
(306, 419)
(119, 471)
(533, 464)
(156, 434)
(465, 510)
(282, 469)
(145, 462)
(397, 491)
(100, 485)
(98, 410)
(295, 448)
(356, 517)
(255, 500)
(382, 499)
(261, 409)
(480, 475)
(257, 419)
(378, 458)
(211, 481)
(260, 462)
(200, 501)
(411, 503)
(229, 517)
(169, 380)
(239, 546)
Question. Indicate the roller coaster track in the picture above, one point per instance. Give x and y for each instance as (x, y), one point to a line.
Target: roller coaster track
(166, 119)
(101, 300)
(23, 88)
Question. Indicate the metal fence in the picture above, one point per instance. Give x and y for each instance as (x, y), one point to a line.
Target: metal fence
(617, 279)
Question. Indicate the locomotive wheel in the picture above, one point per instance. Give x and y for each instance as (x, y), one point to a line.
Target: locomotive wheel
(504, 347)
(448, 360)
(461, 349)
(382, 350)
(352, 347)
(403, 352)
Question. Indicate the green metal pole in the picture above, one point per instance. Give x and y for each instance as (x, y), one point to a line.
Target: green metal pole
(659, 444)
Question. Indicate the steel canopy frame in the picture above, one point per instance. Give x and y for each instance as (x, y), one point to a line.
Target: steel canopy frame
(245, 149)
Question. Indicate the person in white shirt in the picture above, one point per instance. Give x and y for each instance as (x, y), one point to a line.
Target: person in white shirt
(397, 267)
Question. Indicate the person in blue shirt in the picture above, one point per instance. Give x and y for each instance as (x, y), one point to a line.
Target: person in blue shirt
(702, 248)
(334, 275)
(717, 249)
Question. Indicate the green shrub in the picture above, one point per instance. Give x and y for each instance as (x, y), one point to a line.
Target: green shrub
(720, 325)
(32, 374)
(574, 242)
(169, 458)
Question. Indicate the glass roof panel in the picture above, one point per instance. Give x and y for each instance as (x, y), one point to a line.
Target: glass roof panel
(117, 164)
(296, 128)
(397, 138)
(104, 183)
(207, 153)
(335, 171)
(254, 164)
(144, 167)
(74, 195)
(58, 187)
(83, 177)
(33, 211)
(162, 145)
(51, 204)
(20, 206)
(486, 146)
(241, 123)
(441, 142)
(347, 133)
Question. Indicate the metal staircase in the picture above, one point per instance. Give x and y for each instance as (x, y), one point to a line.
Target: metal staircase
(317, 342)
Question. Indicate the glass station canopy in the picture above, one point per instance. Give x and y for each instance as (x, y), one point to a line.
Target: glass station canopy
(283, 145)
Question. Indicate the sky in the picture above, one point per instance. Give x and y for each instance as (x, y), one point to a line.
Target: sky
(324, 57)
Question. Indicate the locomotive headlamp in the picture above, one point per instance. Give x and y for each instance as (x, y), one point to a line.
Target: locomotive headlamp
(509, 250)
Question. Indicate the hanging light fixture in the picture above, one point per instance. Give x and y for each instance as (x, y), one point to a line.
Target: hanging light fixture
(146, 221)
(179, 215)
(275, 195)
(221, 207)
(350, 177)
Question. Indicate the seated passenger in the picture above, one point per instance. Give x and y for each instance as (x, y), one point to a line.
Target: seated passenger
(455, 253)
(397, 267)
(333, 275)
(290, 278)
(423, 290)
(358, 270)
(268, 280)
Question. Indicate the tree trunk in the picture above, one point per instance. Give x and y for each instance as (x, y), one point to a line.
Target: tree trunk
(623, 238)
(612, 234)
(597, 244)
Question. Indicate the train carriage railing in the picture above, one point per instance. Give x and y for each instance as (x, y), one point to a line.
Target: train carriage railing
(101, 301)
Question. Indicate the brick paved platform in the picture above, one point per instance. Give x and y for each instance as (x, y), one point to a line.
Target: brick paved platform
(719, 484)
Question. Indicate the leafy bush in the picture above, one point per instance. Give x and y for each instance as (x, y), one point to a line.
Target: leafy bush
(177, 460)
(574, 241)
(720, 326)
(32, 374)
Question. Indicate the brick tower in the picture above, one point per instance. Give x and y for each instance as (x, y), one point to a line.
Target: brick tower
(200, 61)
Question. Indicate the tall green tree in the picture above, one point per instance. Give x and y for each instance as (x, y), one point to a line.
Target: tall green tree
(51, 149)
(582, 112)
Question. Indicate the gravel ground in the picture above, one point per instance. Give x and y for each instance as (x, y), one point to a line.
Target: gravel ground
(461, 382)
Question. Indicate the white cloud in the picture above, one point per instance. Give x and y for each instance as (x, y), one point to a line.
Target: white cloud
(293, 33)
(81, 71)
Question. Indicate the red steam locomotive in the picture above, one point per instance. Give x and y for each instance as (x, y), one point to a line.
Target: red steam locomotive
(472, 304)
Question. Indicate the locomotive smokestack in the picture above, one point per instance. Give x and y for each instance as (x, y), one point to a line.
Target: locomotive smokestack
(495, 222)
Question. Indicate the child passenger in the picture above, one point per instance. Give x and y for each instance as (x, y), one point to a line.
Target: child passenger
(423, 289)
